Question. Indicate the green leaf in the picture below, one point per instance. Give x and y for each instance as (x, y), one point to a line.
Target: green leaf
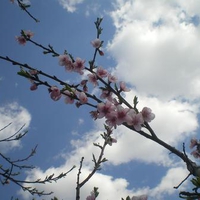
(128, 198)
(24, 73)
(96, 193)
(104, 160)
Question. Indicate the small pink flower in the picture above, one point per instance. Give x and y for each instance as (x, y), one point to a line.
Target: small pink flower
(105, 108)
(112, 79)
(111, 120)
(141, 197)
(83, 82)
(68, 97)
(115, 102)
(111, 141)
(79, 65)
(195, 153)
(78, 104)
(21, 40)
(114, 140)
(102, 73)
(94, 114)
(64, 60)
(12, 1)
(123, 87)
(24, 36)
(147, 114)
(193, 143)
(121, 114)
(85, 88)
(101, 53)
(92, 78)
(33, 72)
(96, 43)
(106, 94)
(91, 196)
(135, 120)
(33, 87)
(83, 98)
(55, 93)
(29, 34)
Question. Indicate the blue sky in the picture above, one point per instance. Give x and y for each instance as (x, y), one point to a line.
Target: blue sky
(152, 45)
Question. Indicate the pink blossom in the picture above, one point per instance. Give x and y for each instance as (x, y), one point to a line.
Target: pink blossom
(91, 196)
(106, 94)
(134, 119)
(21, 40)
(79, 65)
(195, 153)
(141, 197)
(83, 97)
(101, 53)
(121, 114)
(193, 143)
(85, 88)
(114, 140)
(101, 72)
(94, 114)
(33, 86)
(69, 67)
(33, 72)
(78, 104)
(115, 102)
(83, 82)
(111, 141)
(96, 43)
(123, 87)
(112, 79)
(24, 36)
(55, 93)
(68, 97)
(105, 108)
(112, 119)
(64, 60)
(93, 79)
(28, 34)
(147, 114)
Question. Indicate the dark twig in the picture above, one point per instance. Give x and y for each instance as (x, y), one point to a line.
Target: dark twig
(24, 7)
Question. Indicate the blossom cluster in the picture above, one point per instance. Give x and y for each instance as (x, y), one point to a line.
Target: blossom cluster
(24, 36)
(76, 66)
(111, 106)
(111, 109)
(117, 115)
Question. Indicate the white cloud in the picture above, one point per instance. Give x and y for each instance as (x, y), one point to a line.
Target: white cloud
(92, 8)
(158, 43)
(80, 121)
(172, 178)
(70, 5)
(18, 116)
(65, 188)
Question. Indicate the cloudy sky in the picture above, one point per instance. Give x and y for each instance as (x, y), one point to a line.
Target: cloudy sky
(152, 45)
